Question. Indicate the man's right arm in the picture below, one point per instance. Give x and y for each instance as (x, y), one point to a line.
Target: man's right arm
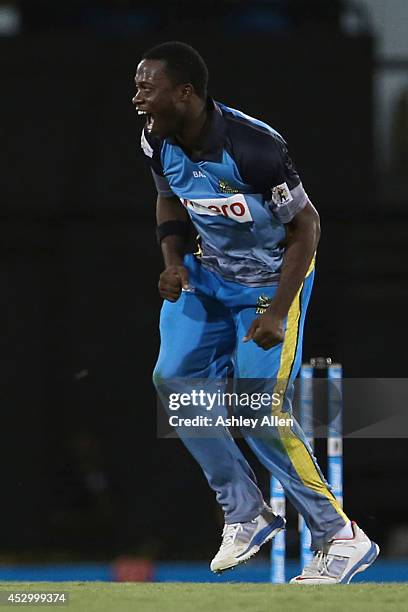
(172, 224)
(171, 213)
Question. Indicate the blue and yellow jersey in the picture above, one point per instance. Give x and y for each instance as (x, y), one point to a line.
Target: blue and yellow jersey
(239, 192)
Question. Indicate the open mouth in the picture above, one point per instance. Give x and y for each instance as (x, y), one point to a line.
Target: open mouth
(150, 122)
(149, 119)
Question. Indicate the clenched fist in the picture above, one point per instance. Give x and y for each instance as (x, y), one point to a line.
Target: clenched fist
(172, 280)
(267, 331)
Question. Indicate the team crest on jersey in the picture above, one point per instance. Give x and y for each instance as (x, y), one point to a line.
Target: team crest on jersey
(281, 194)
(226, 187)
(262, 304)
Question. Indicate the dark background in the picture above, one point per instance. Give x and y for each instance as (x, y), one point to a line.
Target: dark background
(83, 473)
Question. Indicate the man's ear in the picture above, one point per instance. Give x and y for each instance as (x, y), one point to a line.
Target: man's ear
(187, 91)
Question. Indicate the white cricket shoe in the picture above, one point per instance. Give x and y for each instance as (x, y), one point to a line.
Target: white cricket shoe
(240, 541)
(340, 560)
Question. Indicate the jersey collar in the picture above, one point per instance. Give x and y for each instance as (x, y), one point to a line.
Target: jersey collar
(212, 137)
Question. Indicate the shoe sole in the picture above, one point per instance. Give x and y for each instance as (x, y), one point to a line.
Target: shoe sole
(255, 548)
(361, 565)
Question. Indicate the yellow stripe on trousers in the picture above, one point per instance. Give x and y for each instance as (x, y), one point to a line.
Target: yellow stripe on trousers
(295, 448)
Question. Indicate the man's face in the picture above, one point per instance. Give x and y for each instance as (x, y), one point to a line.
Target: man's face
(163, 102)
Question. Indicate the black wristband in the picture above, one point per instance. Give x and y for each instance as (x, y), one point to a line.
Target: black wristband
(169, 228)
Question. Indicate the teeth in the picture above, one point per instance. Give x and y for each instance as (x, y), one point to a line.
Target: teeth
(140, 112)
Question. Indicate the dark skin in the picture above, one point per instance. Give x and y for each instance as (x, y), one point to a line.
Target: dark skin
(179, 112)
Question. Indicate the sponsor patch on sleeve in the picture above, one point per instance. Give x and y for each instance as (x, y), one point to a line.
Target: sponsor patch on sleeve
(281, 195)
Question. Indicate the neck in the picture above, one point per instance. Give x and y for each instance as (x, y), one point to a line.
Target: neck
(190, 133)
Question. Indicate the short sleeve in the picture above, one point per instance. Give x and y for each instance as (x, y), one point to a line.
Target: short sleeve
(151, 148)
(264, 163)
(162, 185)
(287, 194)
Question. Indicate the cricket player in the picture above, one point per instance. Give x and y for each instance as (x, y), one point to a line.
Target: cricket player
(237, 309)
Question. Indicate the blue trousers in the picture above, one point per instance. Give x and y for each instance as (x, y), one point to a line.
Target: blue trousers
(201, 339)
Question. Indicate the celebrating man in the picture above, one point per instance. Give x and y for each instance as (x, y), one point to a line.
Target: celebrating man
(232, 176)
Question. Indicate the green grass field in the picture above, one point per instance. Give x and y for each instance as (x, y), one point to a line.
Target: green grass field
(188, 597)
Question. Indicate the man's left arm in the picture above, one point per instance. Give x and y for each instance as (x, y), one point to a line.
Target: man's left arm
(303, 233)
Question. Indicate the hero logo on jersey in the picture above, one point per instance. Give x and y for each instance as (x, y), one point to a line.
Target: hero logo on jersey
(281, 195)
(234, 208)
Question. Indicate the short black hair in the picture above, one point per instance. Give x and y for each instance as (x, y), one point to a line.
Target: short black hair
(183, 64)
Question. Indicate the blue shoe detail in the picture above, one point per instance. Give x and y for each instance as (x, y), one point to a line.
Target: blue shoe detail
(368, 558)
(260, 537)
